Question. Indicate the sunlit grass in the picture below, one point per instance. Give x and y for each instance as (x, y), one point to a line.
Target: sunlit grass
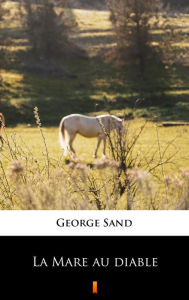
(23, 167)
(84, 147)
(11, 77)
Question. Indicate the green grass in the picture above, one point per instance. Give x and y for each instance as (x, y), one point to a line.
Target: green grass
(147, 143)
(85, 82)
(36, 190)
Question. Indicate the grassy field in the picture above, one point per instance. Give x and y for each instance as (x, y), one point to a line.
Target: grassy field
(33, 172)
(35, 175)
(84, 83)
(148, 142)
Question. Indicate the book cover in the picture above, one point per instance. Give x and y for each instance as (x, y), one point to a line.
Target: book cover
(94, 165)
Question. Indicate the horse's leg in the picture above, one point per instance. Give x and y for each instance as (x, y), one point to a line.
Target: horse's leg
(104, 147)
(98, 144)
(72, 137)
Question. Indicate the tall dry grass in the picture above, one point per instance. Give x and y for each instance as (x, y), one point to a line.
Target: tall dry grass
(126, 180)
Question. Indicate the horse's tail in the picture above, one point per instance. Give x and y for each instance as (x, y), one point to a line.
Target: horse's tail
(62, 137)
(2, 124)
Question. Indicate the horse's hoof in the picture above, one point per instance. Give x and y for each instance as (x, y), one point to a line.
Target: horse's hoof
(65, 153)
(73, 156)
(94, 155)
(103, 156)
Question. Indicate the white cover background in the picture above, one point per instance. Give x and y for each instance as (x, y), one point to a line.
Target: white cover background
(44, 223)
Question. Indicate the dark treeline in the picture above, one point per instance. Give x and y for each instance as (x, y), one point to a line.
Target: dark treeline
(102, 4)
(177, 3)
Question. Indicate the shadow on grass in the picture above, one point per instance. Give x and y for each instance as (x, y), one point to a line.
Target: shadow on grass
(16, 33)
(88, 5)
(164, 93)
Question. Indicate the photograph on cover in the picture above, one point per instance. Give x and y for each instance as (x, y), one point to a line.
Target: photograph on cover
(94, 105)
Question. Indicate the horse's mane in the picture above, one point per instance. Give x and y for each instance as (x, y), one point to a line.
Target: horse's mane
(118, 119)
(112, 116)
(2, 121)
(2, 124)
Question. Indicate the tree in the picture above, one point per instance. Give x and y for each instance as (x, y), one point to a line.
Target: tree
(3, 12)
(45, 28)
(132, 21)
(177, 4)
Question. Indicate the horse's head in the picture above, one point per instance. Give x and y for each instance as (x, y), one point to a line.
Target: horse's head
(118, 125)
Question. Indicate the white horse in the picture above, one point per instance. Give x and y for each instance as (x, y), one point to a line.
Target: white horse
(88, 127)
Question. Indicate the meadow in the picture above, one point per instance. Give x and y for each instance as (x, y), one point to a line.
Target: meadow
(35, 175)
(153, 173)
